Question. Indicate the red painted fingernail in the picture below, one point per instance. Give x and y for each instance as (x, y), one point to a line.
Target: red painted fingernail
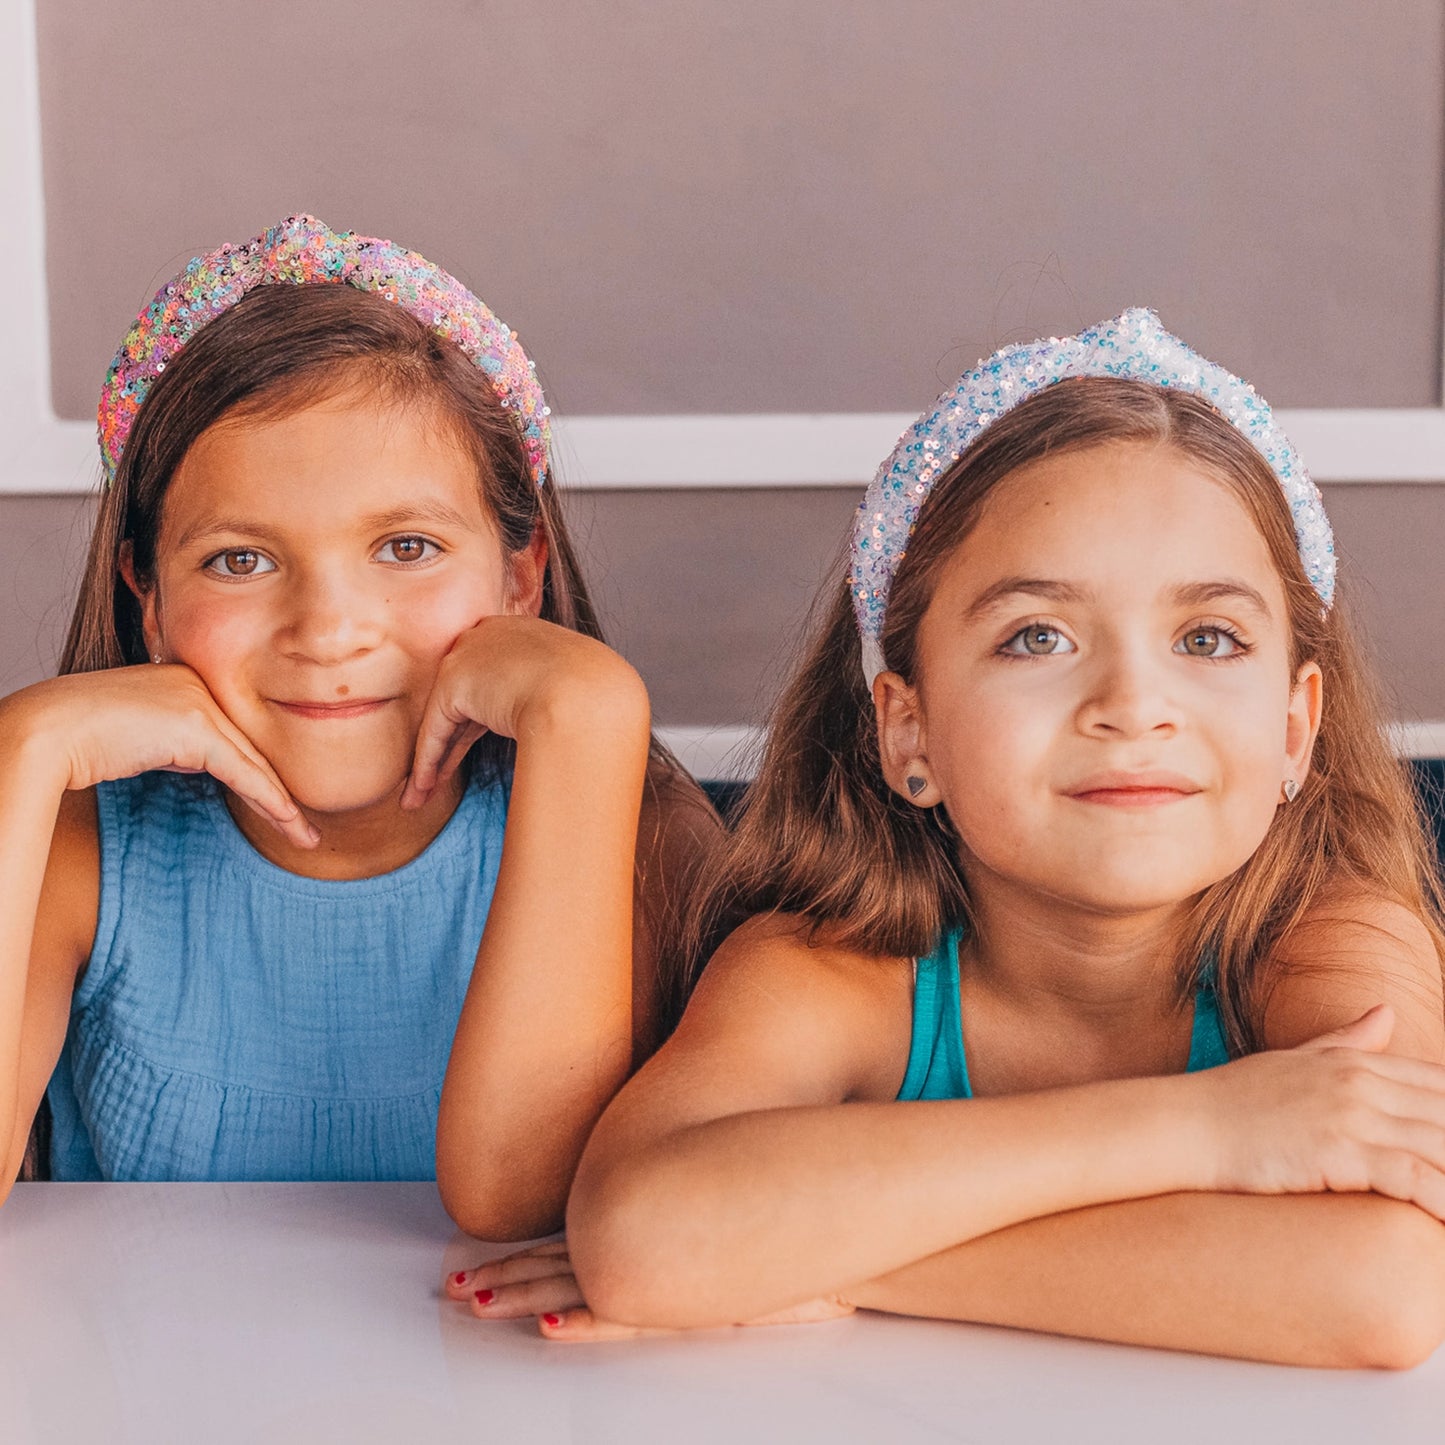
(485, 1296)
(552, 1321)
(460, 1277)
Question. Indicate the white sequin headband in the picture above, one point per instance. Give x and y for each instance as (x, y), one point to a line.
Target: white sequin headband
(1134, 346)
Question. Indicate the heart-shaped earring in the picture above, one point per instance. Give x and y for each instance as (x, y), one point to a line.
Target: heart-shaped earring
(915, 784)
(1291, 790)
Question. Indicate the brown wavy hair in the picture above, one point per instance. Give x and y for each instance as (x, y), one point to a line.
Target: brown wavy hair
(275, 352)
(822, 835)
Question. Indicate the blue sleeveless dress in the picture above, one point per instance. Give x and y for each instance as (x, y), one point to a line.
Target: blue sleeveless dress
(236, 1021)
(937, 1068)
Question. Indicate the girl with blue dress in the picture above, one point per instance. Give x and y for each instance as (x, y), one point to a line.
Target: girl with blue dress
(320, 859)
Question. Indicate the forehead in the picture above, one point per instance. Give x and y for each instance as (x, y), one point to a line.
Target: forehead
(1125, 519)
(339, 457)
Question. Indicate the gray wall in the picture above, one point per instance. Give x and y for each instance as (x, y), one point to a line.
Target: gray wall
(782, 205)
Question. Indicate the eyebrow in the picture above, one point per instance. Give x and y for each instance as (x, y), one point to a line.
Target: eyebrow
(388, 520)
(1049, 590)
(1189, 594)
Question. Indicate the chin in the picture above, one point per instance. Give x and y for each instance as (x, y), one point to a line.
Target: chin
(317, 795)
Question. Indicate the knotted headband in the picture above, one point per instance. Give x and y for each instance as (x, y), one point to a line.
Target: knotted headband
(302, 251)
(1134, 346)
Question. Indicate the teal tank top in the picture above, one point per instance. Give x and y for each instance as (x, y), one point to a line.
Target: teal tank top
(236, 1021)
(937, 1068)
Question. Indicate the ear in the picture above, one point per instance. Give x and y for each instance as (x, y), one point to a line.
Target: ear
(902, 741)
(1302, 723)
(148, 595)
(528, 576)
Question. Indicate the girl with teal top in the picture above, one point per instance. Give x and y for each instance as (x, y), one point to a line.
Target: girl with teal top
(1077, 833)
(320, 859)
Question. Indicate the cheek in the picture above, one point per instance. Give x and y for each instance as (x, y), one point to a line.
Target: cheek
(427, 620)
(211, 635)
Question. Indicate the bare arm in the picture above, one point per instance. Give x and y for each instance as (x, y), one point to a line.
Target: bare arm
(57, 739)
(1351, 1280)
(546, 1035)
(1322, 1280)
(732, 1145)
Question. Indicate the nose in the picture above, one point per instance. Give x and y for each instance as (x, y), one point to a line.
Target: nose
(1128, 695)
(331, 619)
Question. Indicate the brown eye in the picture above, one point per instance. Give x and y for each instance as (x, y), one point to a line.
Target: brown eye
(239, 562)
(408, 549)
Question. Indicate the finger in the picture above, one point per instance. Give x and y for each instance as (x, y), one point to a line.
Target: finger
(581, 1326)
(1370, 1032)
(1406, 1177)
(460, 1283)
(439, 728)
(456, 751)
(233, 761)
(519, 1269)
(552, 1295)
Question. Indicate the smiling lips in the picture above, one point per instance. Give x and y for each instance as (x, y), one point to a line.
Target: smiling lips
(329, 711)
(1134, 790)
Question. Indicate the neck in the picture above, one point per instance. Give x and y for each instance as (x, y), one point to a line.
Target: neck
(1046, 954)
(358, 843)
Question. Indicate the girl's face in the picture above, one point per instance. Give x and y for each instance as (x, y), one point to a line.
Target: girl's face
(314, 570)
(1104, 700)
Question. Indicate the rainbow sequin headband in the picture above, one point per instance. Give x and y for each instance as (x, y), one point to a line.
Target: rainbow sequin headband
(302, 251)
(1134, 346)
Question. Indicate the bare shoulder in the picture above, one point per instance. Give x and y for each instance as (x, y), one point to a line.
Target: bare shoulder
(847, 1013)
(1354, 949)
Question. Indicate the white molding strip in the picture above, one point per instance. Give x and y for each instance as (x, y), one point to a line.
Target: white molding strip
(730, 754)
(595, 453)
(45, 455)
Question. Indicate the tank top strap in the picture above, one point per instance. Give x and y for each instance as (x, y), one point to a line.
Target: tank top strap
(937, 1064)
(1207, 1049)
(937, 1068)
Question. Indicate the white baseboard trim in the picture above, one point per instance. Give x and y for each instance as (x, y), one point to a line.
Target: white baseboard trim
(730, 753)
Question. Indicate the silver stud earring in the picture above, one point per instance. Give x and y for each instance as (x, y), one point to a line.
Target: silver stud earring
(915, 784)
(155, 657)
(1291, 790)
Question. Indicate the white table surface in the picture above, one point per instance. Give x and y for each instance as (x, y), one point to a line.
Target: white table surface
(222, 1313)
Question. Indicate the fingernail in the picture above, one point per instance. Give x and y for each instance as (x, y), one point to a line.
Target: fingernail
(484, 1296)
(552, 1321)
(460, 1277)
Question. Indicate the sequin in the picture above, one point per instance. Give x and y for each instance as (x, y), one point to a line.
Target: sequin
(302, 251)
(1133, 345)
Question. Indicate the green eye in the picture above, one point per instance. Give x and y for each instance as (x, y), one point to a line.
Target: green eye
(1037, 640)
(1207, 642)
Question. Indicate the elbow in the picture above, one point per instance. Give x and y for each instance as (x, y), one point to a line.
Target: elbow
(630, 1265)
(504, 1214)
(1394, 1315)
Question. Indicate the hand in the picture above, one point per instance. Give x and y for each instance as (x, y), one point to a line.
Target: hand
(1337, 1114)
(127, 720)
(508, 674)
(539, 1281)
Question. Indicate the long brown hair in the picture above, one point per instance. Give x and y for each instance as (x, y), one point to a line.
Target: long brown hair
(824, 837)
